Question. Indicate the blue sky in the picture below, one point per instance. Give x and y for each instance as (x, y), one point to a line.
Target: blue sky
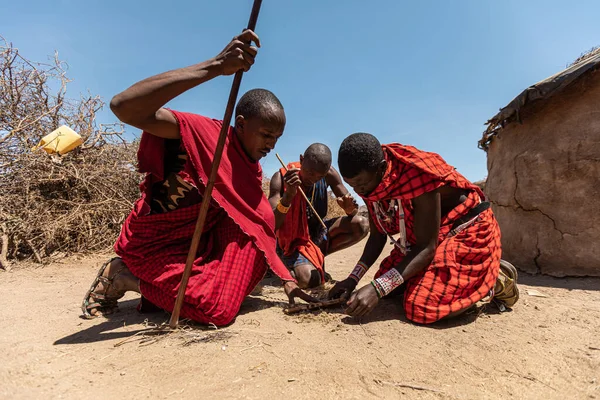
(424, 73)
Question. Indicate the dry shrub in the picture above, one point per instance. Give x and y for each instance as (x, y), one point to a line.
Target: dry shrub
(333, 210)
(57, 204)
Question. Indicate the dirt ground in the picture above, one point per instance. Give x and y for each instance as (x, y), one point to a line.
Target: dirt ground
(546, 348)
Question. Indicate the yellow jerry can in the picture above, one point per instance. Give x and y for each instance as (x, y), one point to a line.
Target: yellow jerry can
(60, 141)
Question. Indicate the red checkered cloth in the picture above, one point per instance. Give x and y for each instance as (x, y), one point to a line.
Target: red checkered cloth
(293, 235)
(465, 266)
(238, 242)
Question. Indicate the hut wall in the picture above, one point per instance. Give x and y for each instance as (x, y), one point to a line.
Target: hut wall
(544, 183)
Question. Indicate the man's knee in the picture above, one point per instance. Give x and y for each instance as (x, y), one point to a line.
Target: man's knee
(307, 276)
(361, 226)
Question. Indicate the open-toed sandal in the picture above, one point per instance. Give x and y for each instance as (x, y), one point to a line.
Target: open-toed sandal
(105, 303)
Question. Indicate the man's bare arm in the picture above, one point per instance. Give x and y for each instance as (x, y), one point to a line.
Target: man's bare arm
(374, 245)
(343, 197)
(371, 252)
(334, 180)
(427, 212)
(141, 104)
(274, 197)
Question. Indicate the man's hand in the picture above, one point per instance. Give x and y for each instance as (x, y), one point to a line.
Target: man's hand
(342, 289)
(348, 204)
(362, 302)
(292, 291)
(292, 182)
(239, 53)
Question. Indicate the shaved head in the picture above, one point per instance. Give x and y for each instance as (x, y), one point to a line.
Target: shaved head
(359, 152)
(257, 103)
(318, 157)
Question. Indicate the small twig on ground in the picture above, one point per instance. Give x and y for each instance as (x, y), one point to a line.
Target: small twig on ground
(312, 306)
(382, 363)
(134, 336)
(250, 348)
(530, 378)
(262, 345)
(365, 331)
(147, 342)
(406, 385)
(186, 333)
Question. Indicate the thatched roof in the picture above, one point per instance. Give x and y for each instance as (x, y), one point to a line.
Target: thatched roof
(584, 64)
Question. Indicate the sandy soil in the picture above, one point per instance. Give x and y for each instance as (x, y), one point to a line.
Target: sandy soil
(546, 348)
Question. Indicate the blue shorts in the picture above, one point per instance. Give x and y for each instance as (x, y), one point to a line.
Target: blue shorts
(293, 260)
(296, 259)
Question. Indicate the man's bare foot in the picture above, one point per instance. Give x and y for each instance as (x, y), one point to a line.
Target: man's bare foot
(122, 278)
(113, 281)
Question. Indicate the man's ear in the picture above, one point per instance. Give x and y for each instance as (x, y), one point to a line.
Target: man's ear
(240, 122)
(301, 158)
(381, 168)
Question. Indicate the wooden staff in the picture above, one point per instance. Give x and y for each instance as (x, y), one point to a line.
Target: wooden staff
(303, 194)
(312, 306)
(235, 88)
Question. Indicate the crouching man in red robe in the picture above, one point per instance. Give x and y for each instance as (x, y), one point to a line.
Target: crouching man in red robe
(303, 243)
(446, 254)
(238, 243)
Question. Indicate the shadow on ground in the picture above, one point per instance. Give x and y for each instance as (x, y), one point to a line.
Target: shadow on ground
(391, 309)
(113, 326)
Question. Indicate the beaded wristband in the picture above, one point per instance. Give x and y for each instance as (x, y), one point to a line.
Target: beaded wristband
(359, 271)
(281, 208)
(388, 282)
(377, 289)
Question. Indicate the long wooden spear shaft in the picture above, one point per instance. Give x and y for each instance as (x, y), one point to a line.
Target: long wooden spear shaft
(235, 88)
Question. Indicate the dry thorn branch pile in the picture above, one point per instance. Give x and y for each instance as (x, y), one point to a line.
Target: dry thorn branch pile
(50, 204)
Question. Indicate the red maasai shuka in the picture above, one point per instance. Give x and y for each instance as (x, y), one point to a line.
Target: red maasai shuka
(238, 241)
(465, 266)
(293, 235)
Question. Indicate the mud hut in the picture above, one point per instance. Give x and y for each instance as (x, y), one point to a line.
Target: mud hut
(543, 159)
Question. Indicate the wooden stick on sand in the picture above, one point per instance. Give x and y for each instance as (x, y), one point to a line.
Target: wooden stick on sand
(303, 194)
(312, 306)
(235, 88)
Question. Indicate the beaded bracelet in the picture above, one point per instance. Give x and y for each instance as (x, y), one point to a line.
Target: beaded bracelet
(377, 289)
(387, 282)
(281, 208)
(359, 271)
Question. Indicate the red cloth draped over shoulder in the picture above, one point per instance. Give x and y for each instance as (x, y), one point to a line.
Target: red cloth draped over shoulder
(237, 189)
(411, 172)
(293, 235)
